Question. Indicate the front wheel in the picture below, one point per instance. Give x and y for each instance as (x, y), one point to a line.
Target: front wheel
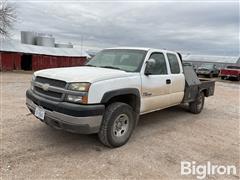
(117, 125)
(197, 106)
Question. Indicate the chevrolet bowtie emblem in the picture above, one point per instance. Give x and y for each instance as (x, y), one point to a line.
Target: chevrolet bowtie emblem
(45, 87)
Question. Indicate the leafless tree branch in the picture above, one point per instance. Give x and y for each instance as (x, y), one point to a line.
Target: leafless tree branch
(7, 17)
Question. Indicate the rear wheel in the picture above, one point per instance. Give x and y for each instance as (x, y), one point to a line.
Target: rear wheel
(118, 124)
(197, 106)
(222, 77)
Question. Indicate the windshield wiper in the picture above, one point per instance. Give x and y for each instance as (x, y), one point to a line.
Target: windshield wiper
(89, 65)
(111, 67)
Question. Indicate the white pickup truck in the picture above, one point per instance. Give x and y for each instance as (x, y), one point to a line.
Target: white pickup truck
(107, 95)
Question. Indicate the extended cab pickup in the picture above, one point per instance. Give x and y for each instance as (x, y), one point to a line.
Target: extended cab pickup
(107, 95)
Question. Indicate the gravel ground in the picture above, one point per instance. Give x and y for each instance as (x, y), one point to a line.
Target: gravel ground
(32, 150)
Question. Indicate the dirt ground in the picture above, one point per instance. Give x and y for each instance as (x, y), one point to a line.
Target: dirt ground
(32, 150)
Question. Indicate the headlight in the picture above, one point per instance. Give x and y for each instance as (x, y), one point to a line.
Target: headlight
(84, 87)
(81, 87)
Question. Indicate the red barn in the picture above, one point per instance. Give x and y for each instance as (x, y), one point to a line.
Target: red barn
(17, 56)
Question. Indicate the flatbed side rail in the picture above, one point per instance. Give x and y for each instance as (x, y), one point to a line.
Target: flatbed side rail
(207, 86)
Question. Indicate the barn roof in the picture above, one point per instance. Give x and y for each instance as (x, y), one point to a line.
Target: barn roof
(210, 58)
(8, 45)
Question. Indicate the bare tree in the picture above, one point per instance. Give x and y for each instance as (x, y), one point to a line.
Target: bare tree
(7, 17)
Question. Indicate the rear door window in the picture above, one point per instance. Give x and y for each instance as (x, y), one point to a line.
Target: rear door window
(174, 64)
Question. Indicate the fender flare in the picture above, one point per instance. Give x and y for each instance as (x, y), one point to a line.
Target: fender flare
(125, 91)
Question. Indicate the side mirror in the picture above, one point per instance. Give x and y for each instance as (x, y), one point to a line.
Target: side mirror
(149, 66)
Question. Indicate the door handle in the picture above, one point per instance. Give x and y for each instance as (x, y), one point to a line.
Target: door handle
(168, 81)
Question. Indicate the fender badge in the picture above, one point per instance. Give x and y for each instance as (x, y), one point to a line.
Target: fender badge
(147, 94)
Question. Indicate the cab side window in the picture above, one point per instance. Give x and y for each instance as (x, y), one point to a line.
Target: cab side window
(160, 67)
(173, 62)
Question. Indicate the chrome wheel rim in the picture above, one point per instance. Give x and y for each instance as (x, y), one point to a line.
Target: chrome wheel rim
(120, 125)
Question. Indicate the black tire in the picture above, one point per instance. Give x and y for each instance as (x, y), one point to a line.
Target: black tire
(222, 77)
(197, 106)
(110, 134)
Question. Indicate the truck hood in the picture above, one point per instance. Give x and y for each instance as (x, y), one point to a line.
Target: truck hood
(82, 74)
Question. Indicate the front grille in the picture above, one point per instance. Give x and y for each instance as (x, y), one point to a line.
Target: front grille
(51, 82)
(48, 93)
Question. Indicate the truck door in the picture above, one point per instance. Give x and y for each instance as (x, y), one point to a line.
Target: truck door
(177, 79)
(156, 87)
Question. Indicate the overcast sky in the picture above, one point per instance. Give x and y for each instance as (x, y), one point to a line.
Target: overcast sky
(201, 27)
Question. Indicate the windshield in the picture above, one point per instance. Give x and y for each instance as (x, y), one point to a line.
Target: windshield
(207, 66)
(123, 59)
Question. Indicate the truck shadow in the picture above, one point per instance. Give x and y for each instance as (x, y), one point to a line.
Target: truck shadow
(48, 142)
(168, 114)
(82, 142)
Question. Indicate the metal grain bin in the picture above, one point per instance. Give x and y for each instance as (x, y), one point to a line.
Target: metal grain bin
(45, 41)
(64, 45)
(28, 37)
